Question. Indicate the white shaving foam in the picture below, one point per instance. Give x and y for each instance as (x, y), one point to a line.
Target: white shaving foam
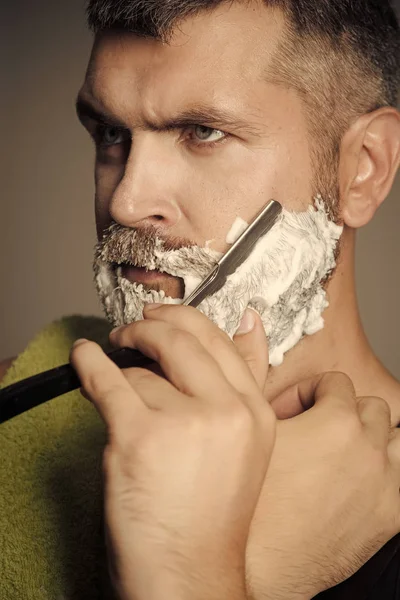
(281, 279)
(238, 227)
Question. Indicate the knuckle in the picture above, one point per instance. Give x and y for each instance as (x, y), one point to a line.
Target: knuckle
(345, 426)
(267, 415)
(241, 418)
(101, 388)
(180, 340)
(128, 334)
(253, 365)
(123, 331)
(384, 407)
(146, 446)
(120, 434)
(377, 403)
(78, 352)
(230, 418)
(220, 338)
(133, 446)
(337, 377)
(198, 422)
(339, 386)
(216, 341)
(137, 376)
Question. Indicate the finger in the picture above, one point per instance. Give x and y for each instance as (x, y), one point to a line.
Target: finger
(141, 380)
(183, 359)
(155, 392)
(103, 382)
(252, 345)
(335, 388)
(375, 415)
(216, 343)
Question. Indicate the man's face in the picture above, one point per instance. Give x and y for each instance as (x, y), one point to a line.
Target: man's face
(189, 170)
(190, 135)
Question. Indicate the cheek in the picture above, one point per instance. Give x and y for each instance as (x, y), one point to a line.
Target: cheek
(239, 183)
(291, 176)
(107, 179)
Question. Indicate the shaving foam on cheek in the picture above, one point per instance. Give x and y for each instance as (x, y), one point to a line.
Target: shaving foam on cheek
(281, 279)
(239, 226)
(191, 281)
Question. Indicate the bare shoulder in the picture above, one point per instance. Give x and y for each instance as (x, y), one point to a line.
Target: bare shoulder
(5, 365)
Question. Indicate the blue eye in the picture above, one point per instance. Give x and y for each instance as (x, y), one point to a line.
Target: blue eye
(204, 133)
(111, 136)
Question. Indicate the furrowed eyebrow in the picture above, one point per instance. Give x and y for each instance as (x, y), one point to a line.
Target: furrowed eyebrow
(85, 110)
(202, 115)
(205, 116)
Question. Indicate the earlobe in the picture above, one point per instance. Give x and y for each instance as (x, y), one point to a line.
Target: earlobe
(370, 158)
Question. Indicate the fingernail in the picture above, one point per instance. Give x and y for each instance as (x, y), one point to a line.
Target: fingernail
(247, 323)
(153, 306)
(79, 342)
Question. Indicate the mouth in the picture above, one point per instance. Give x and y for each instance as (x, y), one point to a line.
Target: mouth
(172, 286)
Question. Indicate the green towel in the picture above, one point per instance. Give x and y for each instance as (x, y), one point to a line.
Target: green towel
(51, 523)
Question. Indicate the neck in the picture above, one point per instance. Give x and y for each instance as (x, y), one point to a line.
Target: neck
(342, 345)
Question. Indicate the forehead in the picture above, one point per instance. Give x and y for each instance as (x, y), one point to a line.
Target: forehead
(221, 56)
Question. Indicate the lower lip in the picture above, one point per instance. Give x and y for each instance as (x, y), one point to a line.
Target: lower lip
(140, 275)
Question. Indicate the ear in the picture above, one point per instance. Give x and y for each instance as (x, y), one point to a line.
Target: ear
(369, 160)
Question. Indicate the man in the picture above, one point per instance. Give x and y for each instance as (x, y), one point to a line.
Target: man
(295, 104)
(202, 111)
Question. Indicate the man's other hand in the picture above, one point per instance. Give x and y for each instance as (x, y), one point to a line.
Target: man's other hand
(331, 498)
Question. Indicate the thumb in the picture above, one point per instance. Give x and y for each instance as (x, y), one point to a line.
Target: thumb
(252, 345)
(326, 388)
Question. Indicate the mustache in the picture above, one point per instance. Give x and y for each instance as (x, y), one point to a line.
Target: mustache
(148, 248)
(137, 247)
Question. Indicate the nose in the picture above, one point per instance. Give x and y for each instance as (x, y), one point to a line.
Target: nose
(146, 195)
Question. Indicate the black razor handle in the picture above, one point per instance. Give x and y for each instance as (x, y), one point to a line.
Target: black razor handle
(28, 393)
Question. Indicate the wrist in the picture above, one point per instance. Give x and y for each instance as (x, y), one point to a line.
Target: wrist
(168, 577)
(197, 586)
(169, 583)
(181, 589)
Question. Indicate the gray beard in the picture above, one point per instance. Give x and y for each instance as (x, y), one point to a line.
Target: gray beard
(282, 279)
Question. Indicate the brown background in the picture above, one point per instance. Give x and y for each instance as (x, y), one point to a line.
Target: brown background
(47, 221)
